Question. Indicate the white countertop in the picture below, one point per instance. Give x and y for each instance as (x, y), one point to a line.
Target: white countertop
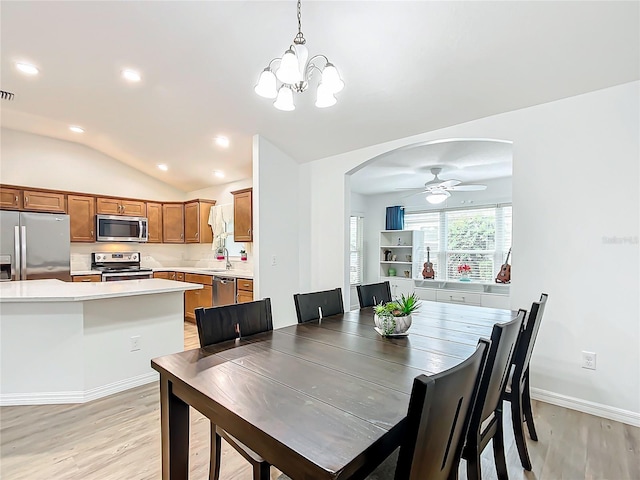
(207, 271)
(199, 270)
(59, 291)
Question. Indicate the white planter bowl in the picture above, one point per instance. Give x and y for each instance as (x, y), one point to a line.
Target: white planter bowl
(402, 324)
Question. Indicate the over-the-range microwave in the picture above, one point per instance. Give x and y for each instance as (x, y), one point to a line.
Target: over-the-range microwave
(116, 228)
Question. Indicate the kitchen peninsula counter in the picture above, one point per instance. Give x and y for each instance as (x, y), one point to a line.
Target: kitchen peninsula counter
(63, 342)
(59, 291)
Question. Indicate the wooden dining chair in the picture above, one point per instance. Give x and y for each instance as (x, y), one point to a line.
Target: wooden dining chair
(220, 324)
(437, 420)
(517, 391)
(307, 304)
(486, 417)
(374, 293)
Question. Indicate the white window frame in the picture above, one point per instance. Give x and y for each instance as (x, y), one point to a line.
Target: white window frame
(359, 248)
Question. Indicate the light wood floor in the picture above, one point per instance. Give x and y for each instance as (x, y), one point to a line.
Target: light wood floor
(118, 438)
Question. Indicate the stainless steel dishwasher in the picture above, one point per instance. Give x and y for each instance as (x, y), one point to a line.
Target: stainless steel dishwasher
(224, 291)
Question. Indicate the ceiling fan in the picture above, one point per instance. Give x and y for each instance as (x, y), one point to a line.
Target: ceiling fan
(437, 190)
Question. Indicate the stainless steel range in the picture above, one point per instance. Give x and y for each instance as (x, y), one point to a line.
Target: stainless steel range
(117, 266)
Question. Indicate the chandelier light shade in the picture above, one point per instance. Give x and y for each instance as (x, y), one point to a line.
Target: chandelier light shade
(438, 196)
(294, 70)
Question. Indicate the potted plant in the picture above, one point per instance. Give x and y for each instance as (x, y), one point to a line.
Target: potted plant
(464, 270)
(243, 255)
(394, 318)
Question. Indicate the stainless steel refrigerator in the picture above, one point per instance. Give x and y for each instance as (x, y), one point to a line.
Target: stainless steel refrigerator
(34, 246)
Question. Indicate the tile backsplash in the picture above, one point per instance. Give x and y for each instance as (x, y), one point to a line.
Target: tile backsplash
(159, 255)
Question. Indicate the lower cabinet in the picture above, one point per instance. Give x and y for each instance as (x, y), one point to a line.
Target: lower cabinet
(244, 290)
(197, 298)
(86, 278)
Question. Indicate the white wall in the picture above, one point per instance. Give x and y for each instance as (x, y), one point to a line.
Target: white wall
(564, 209)
(44, 162)
(276, 230)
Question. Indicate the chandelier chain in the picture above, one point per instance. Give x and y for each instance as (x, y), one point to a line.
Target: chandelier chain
(299, 39)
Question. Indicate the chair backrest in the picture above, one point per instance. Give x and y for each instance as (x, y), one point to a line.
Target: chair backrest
(528, 336)
(219, 324)
(373, 294)
(307, 304)
(496, 371)
(437, 420)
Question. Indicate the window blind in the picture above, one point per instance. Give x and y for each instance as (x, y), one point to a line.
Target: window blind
(355, 243)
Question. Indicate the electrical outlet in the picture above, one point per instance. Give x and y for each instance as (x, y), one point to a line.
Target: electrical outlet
(135, 343)
(589, 360)
(274, 260)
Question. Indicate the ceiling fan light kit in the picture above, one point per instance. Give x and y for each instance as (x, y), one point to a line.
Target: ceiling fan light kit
(438, 190)
(294, 70)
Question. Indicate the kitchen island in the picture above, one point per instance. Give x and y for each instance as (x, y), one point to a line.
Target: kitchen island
(66, 342)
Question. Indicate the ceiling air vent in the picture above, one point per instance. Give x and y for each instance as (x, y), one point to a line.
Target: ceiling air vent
(6, 95)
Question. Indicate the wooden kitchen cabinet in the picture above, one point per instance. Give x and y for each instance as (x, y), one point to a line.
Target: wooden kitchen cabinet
(244, 290)
(154, 219)
(164, 275)
(120, 206)
(82, 217)
(173, 223)
(243, 215)
(196, 218)
(10, 198)
(37, 201)
(87, 278)
(197, 298)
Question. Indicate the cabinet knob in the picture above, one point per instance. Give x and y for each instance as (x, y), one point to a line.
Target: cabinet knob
(92, 233)
(123, 208)
(26, 200)
(197, 234)
(249, 232)
(16, 198)
(182, 235)
(86, 279)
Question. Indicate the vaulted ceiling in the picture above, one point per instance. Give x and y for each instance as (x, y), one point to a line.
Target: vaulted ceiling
(409, 67)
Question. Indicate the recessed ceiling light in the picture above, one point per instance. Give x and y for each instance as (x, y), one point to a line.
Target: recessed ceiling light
(131, 75)
(163, 167)
(219, 174)
(27, 68)
(222, 141)
(75, 128)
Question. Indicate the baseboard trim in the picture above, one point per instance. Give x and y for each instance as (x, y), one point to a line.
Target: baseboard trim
(50, 398)
(585, 406)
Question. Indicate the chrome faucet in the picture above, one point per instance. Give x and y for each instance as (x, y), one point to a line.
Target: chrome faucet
(226, 257)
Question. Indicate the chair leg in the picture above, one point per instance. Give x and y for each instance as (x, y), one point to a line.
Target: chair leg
(214, 457)
(473, 466)
(518, 429)
(528, 413)
(261, 471)
(498, 448)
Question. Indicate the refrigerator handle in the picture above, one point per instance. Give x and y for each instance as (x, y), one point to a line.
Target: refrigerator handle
(16, 254)
(23, 253)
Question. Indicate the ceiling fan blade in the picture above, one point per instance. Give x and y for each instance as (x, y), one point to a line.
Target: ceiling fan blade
(450, 183)
(467, 188)
(421, 192)
(410, 188)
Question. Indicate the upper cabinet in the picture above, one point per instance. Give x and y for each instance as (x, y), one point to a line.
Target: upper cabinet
(10, 198)
(173, 222)
(119, 206)
(154, 217)
(243, 215)
(196, 221)
(82, 218)
(37, 201)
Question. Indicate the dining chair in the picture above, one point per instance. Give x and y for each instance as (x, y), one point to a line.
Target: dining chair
(517, 391)
(308, 304)
(486, 418)
(374, 293)
(220, 324)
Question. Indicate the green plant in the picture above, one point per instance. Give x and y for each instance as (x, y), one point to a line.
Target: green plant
(406, 305)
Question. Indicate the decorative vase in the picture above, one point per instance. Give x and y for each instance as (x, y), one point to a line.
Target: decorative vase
(464, 277)
(390, 325)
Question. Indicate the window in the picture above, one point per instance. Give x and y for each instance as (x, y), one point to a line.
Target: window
(478, 237)
(355, 246)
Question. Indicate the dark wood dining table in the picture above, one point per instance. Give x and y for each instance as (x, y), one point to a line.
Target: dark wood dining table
(319, 400)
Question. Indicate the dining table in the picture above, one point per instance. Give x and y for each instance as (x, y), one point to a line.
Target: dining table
(321, 400)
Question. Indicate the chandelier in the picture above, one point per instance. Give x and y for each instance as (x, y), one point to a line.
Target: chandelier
(294, 70)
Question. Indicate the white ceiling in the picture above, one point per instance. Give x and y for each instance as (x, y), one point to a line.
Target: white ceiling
(409, 67)
(470, 161)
